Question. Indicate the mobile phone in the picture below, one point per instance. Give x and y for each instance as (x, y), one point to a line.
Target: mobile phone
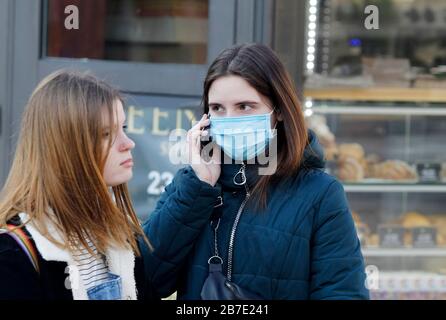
(207, 139)
(206, 149)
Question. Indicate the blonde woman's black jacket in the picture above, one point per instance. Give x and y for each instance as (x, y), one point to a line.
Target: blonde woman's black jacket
(20, 281)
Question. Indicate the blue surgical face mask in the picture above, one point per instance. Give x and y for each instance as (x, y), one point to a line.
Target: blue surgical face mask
(242, 138)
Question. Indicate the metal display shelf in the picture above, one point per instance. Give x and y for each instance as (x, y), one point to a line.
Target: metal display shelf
(378, 94)
(394, 110)
(378, 187)
(404, 252)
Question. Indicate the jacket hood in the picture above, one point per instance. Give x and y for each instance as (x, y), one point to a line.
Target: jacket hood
(313, 153)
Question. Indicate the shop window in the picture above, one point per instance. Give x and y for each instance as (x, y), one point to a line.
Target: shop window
(155, 31)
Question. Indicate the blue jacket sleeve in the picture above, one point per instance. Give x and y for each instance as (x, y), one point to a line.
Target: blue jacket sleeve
(181, 213)
(337, 265)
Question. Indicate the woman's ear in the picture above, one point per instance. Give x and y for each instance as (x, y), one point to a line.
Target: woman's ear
(278, 114)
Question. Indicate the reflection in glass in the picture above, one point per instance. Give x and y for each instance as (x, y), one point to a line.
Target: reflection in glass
(158, 31)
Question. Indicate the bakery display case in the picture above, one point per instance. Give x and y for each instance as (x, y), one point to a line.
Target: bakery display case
(375, 99)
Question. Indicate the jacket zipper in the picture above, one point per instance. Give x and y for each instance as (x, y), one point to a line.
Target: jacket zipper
(237, 218)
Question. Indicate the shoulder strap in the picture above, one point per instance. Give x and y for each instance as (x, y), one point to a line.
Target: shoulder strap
(25, 243)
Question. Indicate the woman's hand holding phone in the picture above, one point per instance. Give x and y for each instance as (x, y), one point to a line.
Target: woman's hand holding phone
(206, 170)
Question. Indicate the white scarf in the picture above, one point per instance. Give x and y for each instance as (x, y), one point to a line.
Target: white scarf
(120, 261)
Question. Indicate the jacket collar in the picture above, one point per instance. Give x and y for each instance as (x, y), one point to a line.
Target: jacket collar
(119, 261)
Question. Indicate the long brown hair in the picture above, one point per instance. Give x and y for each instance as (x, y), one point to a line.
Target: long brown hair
(262, 69)
(57, 171)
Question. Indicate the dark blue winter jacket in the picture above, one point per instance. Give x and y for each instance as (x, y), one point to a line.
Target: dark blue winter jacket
(302, 246)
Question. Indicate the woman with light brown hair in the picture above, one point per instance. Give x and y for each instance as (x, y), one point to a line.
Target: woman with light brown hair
(69, 230)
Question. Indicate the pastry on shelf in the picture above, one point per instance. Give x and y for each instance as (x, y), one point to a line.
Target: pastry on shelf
(349, 169)
(439, 222)
(373, 240)
(441, 239)
(393, 170)
(351, 150)
(371, 160)
(415, 220)
(351, 162)
(361, 228)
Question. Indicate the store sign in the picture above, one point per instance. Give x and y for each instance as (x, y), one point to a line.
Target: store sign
(429, 172)
(424, 237)
(391, 236)
(150, 121)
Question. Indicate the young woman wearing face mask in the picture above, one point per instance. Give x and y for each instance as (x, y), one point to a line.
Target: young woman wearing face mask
(68, 228)
(286, 234)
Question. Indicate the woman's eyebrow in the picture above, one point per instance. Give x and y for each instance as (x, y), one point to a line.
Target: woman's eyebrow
(237, 104)
(246, 102)
(114, 127)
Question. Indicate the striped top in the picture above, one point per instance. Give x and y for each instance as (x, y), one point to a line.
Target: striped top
(92, 270)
